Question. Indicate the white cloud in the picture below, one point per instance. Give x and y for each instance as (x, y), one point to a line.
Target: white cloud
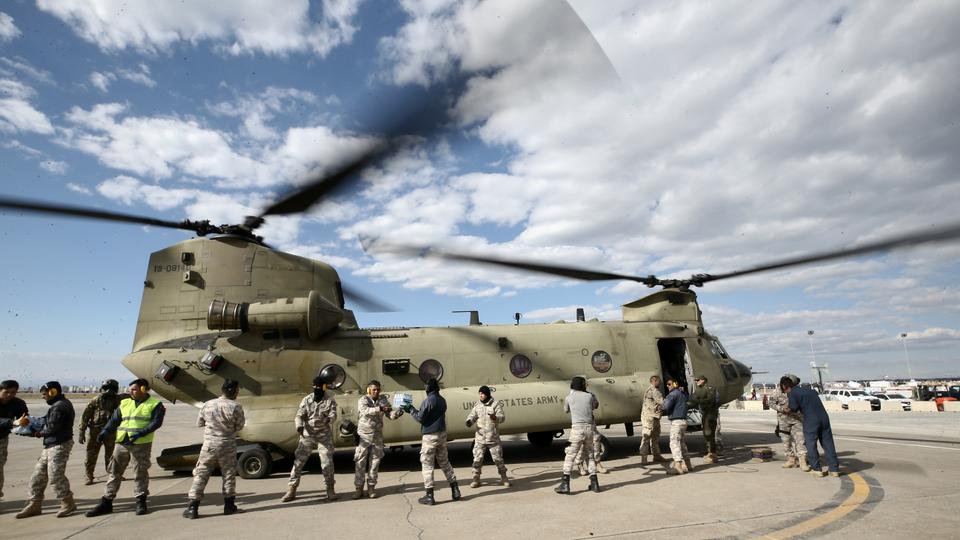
(17, 115)
(77, 188)
(102, 80)
(23, 66)
(8, 30)
(141, 76)
(55, 166)
(238, 27)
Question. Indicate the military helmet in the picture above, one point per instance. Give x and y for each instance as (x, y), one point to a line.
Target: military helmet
(110, 385)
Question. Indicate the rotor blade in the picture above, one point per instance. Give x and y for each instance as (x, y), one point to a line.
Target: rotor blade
(364, 301)
(543, 268)
(942, 234)
(313, 192)
(81, 212)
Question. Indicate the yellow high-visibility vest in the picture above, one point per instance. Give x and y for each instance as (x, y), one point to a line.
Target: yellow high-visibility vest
(135, 417)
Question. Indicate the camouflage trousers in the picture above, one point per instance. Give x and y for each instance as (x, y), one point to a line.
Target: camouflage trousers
(93, 452)
(305, 447)
(433, 450)
(596, 448)
(791, 433)
(3, 460)
(212, 456)
(482, 446)
(650, 437)
(678, 440)
(52, 467)
(122, 455)
(366, 459)
(581, 437)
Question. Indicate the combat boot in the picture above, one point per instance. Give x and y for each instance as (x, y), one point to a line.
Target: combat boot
(427, 498)
(142, 505)
(89, 481)
(33, 508)
(230, 506)
(643, 460)
(372, 491)
(193, 510)
(804, 466)
(504, 481)
(657, 458)
(601, 469)
(676, 468)
(358, 493)
(835, 474)
(105, 506)
(818, 473)
(709, 458)
(687, 465)
(331, 493)
(564, 486)
(594, 484)
(67, 506)
(476, 481)
(791, 463)
(290, 495)
(455, 490)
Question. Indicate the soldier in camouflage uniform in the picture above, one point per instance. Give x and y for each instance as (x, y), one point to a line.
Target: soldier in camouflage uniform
(487, 414)
(372, 408)
(222, 419)
(790, 428)
(580, 404)
(95, 416)
(314, 421)
(580, 458)
(57, 435)
(650, 422)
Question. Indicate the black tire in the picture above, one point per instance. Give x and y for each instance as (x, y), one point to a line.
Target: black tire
(254, 464)
(541, 438)
(604, 448)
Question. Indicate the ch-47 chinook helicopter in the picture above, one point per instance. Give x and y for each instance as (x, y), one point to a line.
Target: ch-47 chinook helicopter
(226, 305)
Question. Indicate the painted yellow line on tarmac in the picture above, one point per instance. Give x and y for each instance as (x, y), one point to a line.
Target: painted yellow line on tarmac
(861, 490)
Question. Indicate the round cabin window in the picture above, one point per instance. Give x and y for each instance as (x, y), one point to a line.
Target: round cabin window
(602, 362)
(334, 374)
(520, 366)
(430, 369)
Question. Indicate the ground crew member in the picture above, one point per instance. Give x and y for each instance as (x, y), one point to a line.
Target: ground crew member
(132, 426)
(222, 419)
(314, 421)
(650, 422)
(487, 414)
(372, 408)
(95, 416)
(816, 426)
(789, 428)
(675, 407)
(597, 455)
(12, 409)
(433, 441)
(57, 435)
(707, 399)
(580, 404)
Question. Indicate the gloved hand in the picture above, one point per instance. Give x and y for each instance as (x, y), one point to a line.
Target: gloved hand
(134, 437)
(468, 422)
(493, 416)
(101, 436)
(82, 438)
(407, 407)
(300, 430)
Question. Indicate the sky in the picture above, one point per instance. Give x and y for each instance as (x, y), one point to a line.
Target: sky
(663, 138)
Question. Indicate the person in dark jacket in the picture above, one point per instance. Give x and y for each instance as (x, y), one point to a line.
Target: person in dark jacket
(433, 448)
(57, 435)
(12, 409)
(707, 399)
(675, 407)
(816, 426)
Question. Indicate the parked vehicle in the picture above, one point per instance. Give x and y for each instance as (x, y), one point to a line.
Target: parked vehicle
(846, 396)
(904, 400)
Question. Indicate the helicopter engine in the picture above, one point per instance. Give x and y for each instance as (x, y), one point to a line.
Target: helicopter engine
(312, 314)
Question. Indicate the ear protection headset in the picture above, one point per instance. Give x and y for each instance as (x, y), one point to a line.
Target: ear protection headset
(144, 388)
(52, 392)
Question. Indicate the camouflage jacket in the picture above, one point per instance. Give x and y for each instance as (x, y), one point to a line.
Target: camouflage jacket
(221, 419)
(652, 399)
(488, 429)
(371, 415)
(779, 402)
(316, 417)
(98, 412)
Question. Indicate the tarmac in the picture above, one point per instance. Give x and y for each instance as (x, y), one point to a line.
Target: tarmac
(900, 478)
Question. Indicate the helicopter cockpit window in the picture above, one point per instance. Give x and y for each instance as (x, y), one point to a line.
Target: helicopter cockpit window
(430, 369)
(602, 361)
(717, 349)
(335, 374)
(729, 372)
(520, 366)
(743, 370)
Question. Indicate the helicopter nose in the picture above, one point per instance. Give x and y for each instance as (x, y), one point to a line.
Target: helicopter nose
(139, 364)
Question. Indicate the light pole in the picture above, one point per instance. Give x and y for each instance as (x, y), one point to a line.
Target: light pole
(813, 361)
(812, 355)
(906, 355)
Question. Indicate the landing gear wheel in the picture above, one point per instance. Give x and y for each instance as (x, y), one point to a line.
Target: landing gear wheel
(604, 448)
(541, 438)
(254, 464)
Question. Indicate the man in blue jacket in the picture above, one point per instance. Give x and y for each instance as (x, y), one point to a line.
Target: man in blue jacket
(57, 435)
(675, 407)
(816, 426)
(433, 448)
